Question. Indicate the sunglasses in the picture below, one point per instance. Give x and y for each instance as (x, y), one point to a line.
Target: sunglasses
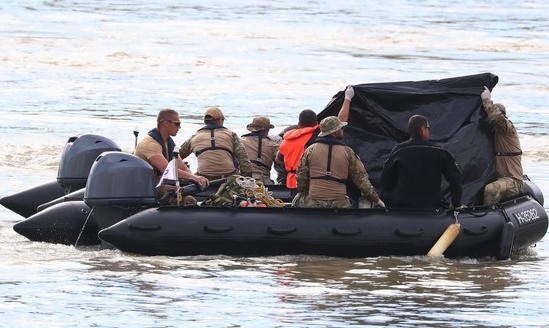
(176, 123)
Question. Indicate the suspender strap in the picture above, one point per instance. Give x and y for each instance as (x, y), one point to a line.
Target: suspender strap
(258, 160)
(213, 146)
(259, 147)
(328, 175)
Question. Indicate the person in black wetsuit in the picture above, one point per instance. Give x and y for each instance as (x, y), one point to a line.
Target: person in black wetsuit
(412, 174)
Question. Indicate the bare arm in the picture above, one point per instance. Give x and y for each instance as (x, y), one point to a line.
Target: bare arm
(183, 172)
(343, 114)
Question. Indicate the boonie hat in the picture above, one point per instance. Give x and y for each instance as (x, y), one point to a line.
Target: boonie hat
(260, 123)
(213, 113)
(330, 125)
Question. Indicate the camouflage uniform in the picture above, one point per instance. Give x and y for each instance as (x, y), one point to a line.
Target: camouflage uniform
(356, 173)
(502, 188)
(215, 164)
(260, 148)
(508, 153)
(261, 163)
(303, 199)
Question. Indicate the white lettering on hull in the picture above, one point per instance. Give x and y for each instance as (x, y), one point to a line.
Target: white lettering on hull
(527, 216)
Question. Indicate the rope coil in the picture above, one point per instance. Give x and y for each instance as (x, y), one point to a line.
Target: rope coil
(253, 189)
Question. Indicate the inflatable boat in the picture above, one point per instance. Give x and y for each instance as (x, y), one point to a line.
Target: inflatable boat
(105, 196)
(345, 233)
(120, 209)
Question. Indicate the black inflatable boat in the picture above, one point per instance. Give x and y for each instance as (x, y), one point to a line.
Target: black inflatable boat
(104, 194)
(344, 233)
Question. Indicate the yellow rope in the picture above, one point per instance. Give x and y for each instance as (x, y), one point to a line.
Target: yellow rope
(266, 197)
(253, 189)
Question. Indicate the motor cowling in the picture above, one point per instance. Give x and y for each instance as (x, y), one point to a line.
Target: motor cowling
(120, 178)
(78, 157)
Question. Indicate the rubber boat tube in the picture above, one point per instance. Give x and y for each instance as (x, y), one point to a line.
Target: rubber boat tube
(346, 233)
(61, 224)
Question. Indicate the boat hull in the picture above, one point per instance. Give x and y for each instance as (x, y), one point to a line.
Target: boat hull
(26, 202)
(67, 223)
(176, 231)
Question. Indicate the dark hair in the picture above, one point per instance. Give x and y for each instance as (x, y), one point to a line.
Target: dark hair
(307, 117)
(415, 123)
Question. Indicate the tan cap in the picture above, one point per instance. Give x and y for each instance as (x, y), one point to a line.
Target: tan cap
(330, 125)
(213, 113)
(260, 123)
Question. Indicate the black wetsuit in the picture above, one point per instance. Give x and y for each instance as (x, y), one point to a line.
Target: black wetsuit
(413, 173)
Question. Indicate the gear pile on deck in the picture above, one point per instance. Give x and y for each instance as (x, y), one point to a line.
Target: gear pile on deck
(105, 195)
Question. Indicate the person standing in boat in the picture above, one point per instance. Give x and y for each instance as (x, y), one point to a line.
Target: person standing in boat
(293, 145)
(509, 176)
(327, 166)
(260, 148)
(219, 151)
(412, 174)
(157, 147)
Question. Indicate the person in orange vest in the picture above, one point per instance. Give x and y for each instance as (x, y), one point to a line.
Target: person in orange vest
(293, 145)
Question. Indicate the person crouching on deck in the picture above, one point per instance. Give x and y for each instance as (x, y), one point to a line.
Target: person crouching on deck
(325, 168)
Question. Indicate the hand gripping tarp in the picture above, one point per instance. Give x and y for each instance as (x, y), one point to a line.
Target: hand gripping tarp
(379, 117)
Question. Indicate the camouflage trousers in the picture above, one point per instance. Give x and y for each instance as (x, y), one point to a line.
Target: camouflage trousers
(259, 177)
(302, 199)
(502, 188)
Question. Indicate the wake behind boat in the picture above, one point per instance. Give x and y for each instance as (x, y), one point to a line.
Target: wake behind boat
(119, 198)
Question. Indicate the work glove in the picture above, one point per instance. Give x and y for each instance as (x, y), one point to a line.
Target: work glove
(380, 203)
(460, 207)
(275, 137)
(485, 95)
(349, 93)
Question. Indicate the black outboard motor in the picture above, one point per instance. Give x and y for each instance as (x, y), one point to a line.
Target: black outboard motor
(119, 185)
(78, 157)
(76, 160)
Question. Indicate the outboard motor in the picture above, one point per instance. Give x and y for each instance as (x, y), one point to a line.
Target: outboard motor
(78, 157)
(119, 185)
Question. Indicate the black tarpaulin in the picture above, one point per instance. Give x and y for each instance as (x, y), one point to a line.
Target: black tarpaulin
(379, 117)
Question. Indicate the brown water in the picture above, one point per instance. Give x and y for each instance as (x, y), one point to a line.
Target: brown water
(107, 67)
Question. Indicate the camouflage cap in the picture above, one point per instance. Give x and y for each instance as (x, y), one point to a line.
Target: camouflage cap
(330, 125)
(213, 113)
(260, 123)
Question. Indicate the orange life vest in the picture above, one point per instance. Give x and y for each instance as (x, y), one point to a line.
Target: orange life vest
(292, 147)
